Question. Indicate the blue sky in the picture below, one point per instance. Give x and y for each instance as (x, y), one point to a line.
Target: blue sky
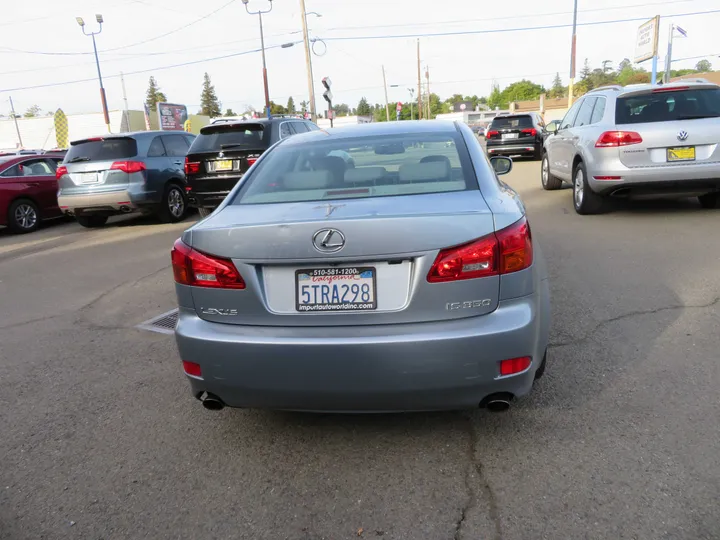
(350, 54)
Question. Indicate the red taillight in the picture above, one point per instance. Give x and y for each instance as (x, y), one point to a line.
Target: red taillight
(618, 138)
(191, 267)
(492, 133)
(611, 178)
(669, 89)
(60, 172)
(191, 368)
(531, 131)
(514, 365)
(128, 166)
(192, 167)
(251, 161)
(506, 251)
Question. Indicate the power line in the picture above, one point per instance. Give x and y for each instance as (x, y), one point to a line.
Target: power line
(65, 53)
(504, 30)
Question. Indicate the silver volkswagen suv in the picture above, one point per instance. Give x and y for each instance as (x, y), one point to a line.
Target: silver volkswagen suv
(638, 141)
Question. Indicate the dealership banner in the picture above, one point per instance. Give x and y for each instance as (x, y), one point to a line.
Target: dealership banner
(172, 117)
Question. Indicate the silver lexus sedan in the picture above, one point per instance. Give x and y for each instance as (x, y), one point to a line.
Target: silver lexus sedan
(404, 279)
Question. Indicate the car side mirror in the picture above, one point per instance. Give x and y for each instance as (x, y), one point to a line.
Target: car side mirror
(501, 164)
(551, 128)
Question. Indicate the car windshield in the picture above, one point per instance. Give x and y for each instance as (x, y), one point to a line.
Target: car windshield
(512, 122)
(221, 136)
(360, 168)
(101, 150)
(664, 106)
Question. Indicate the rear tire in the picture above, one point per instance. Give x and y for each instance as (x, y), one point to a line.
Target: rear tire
(710, 200)
(23, 216)
(205, 212)
(173, 207)
(585, 200)
(92, 222)
(549, 182)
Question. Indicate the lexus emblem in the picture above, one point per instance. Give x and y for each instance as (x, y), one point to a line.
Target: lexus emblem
(328, 240)
(682, 135)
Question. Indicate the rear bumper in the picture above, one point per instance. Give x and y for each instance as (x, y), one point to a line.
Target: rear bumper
(405, 367)
(684, 178)
(207, 199)
(108, 201)
(514, 149)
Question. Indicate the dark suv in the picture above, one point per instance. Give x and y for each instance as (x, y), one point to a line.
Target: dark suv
(516, 135)
(128, 172)
(223, 152)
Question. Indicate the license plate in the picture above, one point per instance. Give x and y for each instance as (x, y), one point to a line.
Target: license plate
(224, 165)
(89, 178)
(335, 289)
(685, 153)
(510, 136)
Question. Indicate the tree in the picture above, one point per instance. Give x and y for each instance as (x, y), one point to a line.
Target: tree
(703, 66)
(363, 108)
(276, 108)
(32, 112)
(341, 109)
(153, 96)
(304, 107)
(607, 66)
(557, 90)
(229, 112)
(495, 99)
(291, 105)
(624, 64)
(209, 103)
(585, 71)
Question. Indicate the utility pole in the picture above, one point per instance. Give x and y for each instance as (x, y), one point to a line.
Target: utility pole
(308, 62)
(427, 78)
(259, 13)
(387, 105)
(122, 81)
(419, 82)
(572, 56)
(17, 128)
(412, 97)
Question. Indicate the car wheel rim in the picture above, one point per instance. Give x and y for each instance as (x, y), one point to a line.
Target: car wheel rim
(176, 203)
(25, 216)
(579, 187)
(545, 171)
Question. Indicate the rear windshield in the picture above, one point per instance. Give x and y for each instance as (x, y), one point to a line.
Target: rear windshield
(512, 122)
(664, 106)
(360, 168)
(102, 150)
(228, 137)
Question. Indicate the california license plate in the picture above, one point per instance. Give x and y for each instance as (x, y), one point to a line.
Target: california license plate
(685, 153)
(510, 136)
(224, 165)
(336, 289)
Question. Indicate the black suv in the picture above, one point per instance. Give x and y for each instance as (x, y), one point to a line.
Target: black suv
(516, 134)
(224, 151)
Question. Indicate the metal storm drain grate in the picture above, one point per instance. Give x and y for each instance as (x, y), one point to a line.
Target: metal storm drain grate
(164, 323)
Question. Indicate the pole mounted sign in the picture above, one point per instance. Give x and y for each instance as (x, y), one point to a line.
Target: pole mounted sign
(646, 45)
(327, 94)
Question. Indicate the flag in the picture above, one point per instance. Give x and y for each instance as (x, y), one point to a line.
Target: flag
(683, 32)
(147, 117)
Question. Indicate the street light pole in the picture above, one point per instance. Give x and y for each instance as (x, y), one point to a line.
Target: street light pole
(387, 105)
(572, 56)
(103, 98)
(259, 13)
(308, 59)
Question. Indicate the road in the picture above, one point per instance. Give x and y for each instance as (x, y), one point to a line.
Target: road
(101, 438)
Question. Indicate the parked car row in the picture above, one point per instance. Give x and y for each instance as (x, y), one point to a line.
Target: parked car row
(638, 141)
(150, 172)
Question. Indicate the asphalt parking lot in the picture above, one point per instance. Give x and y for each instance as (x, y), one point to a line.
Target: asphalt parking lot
(101, 438)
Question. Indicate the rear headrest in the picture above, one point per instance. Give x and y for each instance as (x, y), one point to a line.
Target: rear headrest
(364, 175)
(423, 172)
(307, 180)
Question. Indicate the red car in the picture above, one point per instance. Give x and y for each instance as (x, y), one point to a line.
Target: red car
(28, 191)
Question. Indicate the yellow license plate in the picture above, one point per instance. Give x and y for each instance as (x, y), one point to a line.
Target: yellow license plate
(224, 165)
(686, 153)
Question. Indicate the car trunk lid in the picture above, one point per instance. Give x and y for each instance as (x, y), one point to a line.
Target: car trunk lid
(89, 162)
(510, 129)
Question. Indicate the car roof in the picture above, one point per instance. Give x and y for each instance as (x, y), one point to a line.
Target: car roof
(132, 134)
(374, 129)
(617, 90)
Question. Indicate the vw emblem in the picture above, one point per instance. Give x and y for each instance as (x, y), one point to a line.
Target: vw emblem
(682, 135)
(328, 240)
(221, 154)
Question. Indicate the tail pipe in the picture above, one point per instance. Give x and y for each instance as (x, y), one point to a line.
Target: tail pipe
(212, 402)
(499, 402)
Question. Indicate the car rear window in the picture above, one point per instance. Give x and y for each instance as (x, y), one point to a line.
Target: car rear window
(512, 122)
(379, 166)
(663, 105)
(102, 149)
(218, 137)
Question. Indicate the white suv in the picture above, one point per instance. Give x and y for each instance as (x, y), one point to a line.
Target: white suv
(638, 140)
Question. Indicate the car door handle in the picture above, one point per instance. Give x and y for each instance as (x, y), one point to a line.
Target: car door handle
(32, 184)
